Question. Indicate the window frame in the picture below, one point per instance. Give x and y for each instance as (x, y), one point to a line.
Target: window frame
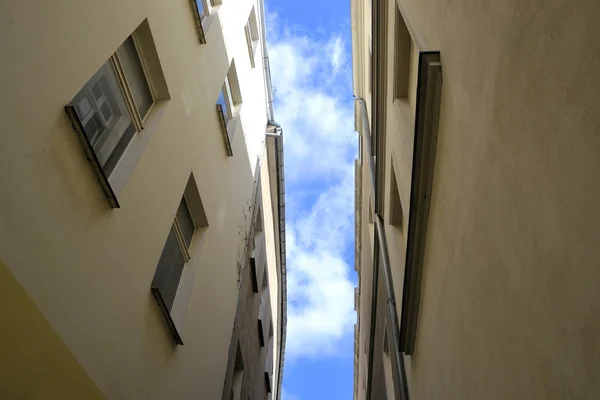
(115, 64)
(185, 252)
(208, 6)
(230, 110)
(403, 44)
(252, 36)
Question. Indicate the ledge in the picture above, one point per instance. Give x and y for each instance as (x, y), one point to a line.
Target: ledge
(90, 154)
(224, 126)
(429, 86)
(166, 315)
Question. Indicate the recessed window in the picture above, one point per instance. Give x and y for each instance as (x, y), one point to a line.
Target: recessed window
(200, 10)
(228, 105)
(113, 106)
(395, 214)
(251, 30)
(269, 359)
(238, 376)
(189, 218)
(257, 268)
(402, 45)
(264, 313)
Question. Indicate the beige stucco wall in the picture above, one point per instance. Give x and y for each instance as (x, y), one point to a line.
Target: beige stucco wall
(88, 268)
(509, 304)
(36, 363)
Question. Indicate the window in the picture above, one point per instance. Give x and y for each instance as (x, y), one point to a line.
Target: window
(402, 45)
(228, 105)
(176, 252)
(395, 214)
(115, 103)
(264, 313)
(257, 268)
(251, 30)
(200, 10)
(238, 376)
(269, 359)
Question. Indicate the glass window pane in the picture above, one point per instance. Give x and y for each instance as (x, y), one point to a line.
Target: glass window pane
(83, 107)
(223, 103)
(92, 128)
(101, 108)
(117, 122)
(186, 223)
(201, 8)
(169, 270)
(136, 80)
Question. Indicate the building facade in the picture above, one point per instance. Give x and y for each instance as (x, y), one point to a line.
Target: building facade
(476, 199)
(142, 222)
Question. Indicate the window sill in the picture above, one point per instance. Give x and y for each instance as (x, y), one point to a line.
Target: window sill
(228, 127)
(92, 158)
(203, 23)
(167, 316)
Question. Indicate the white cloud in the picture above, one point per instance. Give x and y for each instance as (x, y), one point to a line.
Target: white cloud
(315, 110)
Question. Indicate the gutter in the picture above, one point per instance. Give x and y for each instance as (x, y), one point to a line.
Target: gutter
(277, 136)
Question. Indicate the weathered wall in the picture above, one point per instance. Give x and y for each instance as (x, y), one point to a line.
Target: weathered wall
(245, 333)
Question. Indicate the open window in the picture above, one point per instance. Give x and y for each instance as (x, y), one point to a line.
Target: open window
(252, 36)
(115, 104)
(228, 106)
(189, 219)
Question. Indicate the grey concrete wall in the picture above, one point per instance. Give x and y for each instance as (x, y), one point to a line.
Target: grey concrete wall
(246, 335)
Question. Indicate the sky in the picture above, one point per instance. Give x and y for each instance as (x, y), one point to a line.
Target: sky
(309, 44)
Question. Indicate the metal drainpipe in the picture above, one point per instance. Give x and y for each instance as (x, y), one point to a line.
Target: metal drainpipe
(380, 248)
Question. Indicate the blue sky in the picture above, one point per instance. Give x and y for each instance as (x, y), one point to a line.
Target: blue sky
(310, 55)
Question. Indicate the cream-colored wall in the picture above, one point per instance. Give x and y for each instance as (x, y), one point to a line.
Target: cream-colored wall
(87, 267)
(270, 209)
(511, 267)
(37, 364)
(234, 15)
(509, 302)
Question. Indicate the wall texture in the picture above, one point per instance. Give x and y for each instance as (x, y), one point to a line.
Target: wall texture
(87, 267)
(509, 301)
